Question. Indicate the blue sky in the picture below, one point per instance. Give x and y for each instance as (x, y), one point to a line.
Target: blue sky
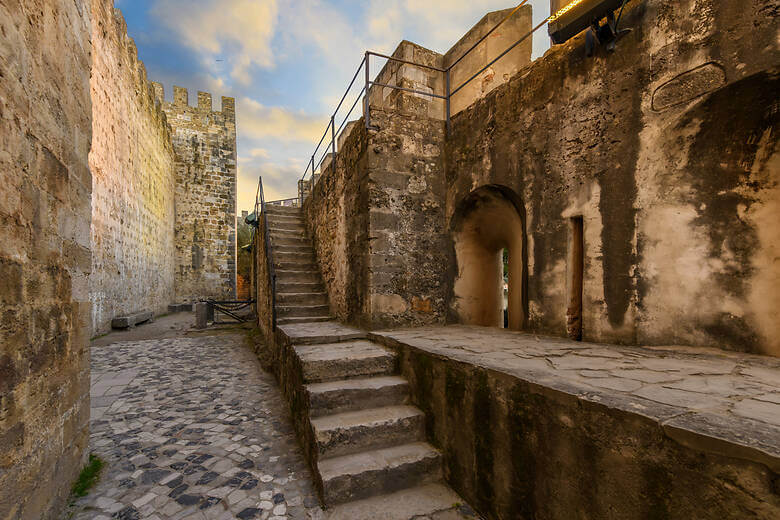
(287, 63)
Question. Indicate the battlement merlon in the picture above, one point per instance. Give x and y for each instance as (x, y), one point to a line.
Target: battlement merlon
(205, 104)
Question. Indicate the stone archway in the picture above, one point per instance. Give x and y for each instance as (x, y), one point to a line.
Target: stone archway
(488, 221)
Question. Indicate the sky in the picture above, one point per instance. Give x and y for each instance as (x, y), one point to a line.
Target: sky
(287, 63)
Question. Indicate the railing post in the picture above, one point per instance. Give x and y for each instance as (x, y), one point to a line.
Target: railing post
(365, 99)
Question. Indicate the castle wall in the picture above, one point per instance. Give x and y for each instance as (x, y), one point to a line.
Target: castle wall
(204, 143)
(133, 180)
(667, 149)
(45, 259)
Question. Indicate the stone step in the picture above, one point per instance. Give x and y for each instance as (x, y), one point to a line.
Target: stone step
(370, 429)
(302, 257)
(295, 265)
(286, 227)
(377, 472)
(290, 241)
(435, 500)
(282, 210)
(298, 287)
(353, 394)
(292, 249)
(304, 298)
(349, 359)
(285, 222)
(307, 319)
(281, 233)
(283, 215)
(297, 276)
(300, 311)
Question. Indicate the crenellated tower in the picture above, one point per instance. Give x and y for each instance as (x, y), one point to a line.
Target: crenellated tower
(204, 143)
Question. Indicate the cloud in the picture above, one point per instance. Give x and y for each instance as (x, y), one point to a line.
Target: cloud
(280, 180)
(256, 121)
(239, 31)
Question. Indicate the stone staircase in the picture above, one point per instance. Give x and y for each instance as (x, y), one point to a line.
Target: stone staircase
(365, 441)
(368, 442)
(300, 293)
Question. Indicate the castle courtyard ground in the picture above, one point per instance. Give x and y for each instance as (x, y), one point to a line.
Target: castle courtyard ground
(190, 426)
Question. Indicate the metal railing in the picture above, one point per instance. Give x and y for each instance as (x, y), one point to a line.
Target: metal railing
(318, 156)
(260, 206)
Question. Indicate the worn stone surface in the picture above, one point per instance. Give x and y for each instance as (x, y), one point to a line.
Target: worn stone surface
(45, 258)
(133, 179)
(615, 432)
(204, 143)
(192, 428)
(514, 28)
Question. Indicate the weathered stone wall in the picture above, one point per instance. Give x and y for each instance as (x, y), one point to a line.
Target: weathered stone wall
(375, 214)
(45, 185)
(261, 283)
(204, 143)
(133, 180)
(408, 243)
(501, 71)
(336, 216)
(678, 190)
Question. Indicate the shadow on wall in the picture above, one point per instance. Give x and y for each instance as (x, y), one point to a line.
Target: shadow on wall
(489, 220)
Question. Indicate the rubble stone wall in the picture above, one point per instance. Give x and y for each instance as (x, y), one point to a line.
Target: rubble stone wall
(677, 189)
(45, 259)
(133, 180)
(336, 216)
(204, 143)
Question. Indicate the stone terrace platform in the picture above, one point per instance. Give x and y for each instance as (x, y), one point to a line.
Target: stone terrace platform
(670, 423)
(728, 401)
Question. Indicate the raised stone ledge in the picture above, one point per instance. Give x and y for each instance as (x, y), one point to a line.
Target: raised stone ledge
(131, 320)
(696, 417)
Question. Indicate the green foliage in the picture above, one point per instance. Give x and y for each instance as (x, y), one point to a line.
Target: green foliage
(88, 476)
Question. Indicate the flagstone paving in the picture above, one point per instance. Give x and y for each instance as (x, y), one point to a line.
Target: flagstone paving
(192, 428)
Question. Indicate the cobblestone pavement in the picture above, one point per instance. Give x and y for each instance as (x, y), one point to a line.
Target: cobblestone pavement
(192, 428)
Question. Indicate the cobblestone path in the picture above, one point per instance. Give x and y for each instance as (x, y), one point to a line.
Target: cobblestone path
(192, 428)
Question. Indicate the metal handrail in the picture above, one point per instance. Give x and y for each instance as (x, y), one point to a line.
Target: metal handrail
(312, 165)
(260, 204)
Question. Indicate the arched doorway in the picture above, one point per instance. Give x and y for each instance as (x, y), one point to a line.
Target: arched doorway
(487, 228)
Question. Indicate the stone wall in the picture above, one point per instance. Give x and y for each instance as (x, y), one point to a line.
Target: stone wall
(45, 259)
(133, 180)
(678, 191)
(375, 214)
(204, 143)
(408, 243)
(336, 216)
(507, 34)
(261, 284)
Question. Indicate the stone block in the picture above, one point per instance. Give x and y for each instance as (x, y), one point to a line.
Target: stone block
(131, 320)
(201, 315)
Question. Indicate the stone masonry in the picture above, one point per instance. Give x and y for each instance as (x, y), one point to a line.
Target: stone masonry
(133, 183)
(204, 142)
(45, 259)
(625, 143)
